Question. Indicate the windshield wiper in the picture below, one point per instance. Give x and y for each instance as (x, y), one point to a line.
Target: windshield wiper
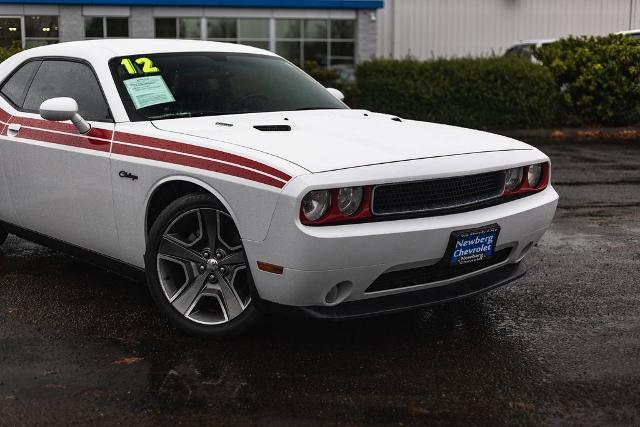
(197, 114)
(207, 113)
(187, 114)
(223, 113)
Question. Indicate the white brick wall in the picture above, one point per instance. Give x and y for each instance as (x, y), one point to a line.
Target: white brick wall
(366, 35)
(445, 28)
(141, 23)
(71, 23)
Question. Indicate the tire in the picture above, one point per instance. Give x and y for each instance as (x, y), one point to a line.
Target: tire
(197, 270)
(3, 235)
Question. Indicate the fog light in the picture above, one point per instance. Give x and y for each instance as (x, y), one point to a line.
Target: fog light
(338, 293)
(332, 296)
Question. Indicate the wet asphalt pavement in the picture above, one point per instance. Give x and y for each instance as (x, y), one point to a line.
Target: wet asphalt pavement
(79, 345)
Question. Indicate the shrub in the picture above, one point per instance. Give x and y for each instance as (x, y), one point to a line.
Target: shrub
(6, 52)
(332, 78)
(494, 93)
(598, 77)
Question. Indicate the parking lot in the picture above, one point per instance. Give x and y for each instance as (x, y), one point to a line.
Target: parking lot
(79, 345)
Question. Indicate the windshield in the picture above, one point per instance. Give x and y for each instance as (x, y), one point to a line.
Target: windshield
(174, 85)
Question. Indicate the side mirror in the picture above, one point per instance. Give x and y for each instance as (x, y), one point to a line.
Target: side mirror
(336, 93)
(61, 109)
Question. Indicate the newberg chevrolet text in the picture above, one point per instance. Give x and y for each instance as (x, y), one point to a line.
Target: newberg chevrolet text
(240, 185)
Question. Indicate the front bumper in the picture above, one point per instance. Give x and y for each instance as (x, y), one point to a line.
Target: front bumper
(316, 259)
(407, 301)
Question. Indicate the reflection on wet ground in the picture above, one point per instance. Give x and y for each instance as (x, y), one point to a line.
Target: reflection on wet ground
(80, 345)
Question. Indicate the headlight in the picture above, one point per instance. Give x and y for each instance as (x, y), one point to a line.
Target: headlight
(535, 175)
(513, 178)
(349, 200)
(315, 204)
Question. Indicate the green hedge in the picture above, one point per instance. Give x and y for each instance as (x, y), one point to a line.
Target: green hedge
(330, 77)
(6, 52)
(583, 81)
(488, 93)
(598, 77)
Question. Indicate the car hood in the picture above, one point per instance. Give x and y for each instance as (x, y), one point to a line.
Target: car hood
(324, 140)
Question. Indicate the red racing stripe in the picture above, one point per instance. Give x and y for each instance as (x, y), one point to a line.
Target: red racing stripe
(194, 162)
(198, 151)
(46, 125)
(67, 134)
(100, 133)
(4, 116)
(63, 139)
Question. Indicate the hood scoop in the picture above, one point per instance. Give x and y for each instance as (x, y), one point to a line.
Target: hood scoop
(273, 128)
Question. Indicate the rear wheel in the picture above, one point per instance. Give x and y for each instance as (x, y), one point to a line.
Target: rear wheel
(3, 235)
(197, 269)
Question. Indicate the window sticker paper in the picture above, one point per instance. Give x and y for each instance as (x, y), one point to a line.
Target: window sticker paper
(147, 91)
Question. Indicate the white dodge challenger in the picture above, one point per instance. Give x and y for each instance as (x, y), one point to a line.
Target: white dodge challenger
(237, 184)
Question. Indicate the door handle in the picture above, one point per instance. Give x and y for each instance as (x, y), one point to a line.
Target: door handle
(13, 129)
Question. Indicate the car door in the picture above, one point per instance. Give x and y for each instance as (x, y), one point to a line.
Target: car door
(58, 180)
(13, 90)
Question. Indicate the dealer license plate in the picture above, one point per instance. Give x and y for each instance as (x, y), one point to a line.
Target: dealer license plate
(472, 246)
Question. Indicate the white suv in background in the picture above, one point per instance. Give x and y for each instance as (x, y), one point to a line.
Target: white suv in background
(525, 48)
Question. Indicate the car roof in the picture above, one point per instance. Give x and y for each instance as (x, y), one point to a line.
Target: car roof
(106, 49)
(629, 32)
(537, 42)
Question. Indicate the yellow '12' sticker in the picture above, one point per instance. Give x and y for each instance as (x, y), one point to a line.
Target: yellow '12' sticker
(146, 63)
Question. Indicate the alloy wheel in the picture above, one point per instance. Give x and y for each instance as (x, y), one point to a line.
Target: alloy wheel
(202, 267)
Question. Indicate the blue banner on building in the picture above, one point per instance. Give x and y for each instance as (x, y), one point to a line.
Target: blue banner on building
(302, 4)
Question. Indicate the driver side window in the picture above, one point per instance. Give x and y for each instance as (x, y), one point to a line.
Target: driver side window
(59, 78)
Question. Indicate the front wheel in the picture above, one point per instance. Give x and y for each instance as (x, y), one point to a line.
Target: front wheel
(197, 270)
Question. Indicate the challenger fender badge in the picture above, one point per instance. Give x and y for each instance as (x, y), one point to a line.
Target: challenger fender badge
(125, 174)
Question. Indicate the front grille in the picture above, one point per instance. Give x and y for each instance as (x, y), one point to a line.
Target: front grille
(437, 194)
(432, 273)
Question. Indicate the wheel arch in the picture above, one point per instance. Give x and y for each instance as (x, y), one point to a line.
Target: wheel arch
(171, 188)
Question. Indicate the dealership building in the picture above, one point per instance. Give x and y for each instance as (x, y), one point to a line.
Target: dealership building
(332, 33)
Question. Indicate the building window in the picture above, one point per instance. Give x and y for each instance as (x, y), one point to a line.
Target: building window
(342, 50)
(10, 31)
(96, 27)
(166, 28)
(40, 30)
(252, 32)
(116, 27)
(178, 28)
(222, 29)
(288, 39)
(189, 28)
(329, 43)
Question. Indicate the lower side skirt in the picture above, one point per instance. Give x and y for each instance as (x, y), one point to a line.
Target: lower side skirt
(95, 258)
(409, 300)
